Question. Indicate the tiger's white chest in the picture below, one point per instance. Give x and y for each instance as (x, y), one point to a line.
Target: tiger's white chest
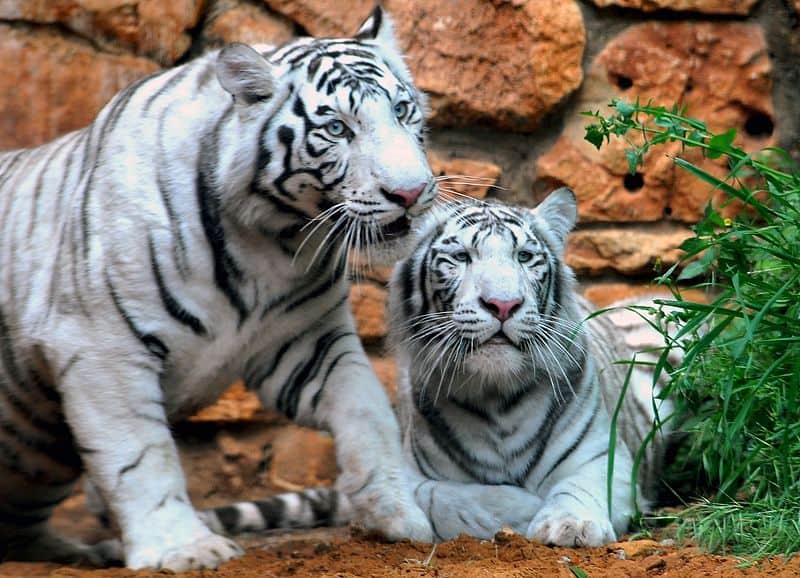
(207, 367)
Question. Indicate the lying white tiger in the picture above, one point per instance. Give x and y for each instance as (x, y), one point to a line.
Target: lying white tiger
(198, 231)
(505, 396)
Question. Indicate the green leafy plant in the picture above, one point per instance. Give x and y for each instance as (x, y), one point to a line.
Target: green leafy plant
(737, 386)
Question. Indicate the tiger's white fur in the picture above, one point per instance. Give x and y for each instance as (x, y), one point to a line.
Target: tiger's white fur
(505, 428)
(196, 232)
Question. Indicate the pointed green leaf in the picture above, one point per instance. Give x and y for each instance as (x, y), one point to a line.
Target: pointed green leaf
(594, 135)
(721, 143)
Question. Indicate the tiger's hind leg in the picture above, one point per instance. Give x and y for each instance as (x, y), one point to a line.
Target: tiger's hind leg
(38, 469)
(25, 509)
(42, 544)
(133, 461)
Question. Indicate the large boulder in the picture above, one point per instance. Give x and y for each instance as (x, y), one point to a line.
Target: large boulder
(504, 63)
(152, 28)
(740, 7)
(720, 71)
(56, 84)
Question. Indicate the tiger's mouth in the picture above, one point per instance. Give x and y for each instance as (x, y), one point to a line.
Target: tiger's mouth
(499, 338)
(396, 229)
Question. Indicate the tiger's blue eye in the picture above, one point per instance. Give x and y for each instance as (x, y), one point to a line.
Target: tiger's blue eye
(461, 256)
(524, 256)
(336, 128)
(401, 110)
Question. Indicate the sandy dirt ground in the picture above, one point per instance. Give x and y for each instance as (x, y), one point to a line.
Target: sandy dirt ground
(257, 459)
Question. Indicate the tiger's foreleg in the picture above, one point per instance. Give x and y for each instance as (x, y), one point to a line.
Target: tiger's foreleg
(119, 423)
(477, 510)
(367, 436)
(576, 511)
(342, 395)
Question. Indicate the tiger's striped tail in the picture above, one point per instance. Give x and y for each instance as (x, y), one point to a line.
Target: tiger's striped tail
(293, 510)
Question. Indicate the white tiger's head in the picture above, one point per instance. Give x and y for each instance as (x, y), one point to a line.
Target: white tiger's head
(485, 291)
(338, 126)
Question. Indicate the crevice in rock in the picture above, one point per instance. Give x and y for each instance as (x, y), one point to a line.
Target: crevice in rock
(70, 34)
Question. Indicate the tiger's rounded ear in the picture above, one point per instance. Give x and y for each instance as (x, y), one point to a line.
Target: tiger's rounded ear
(559, 212)
(379, 27)
(371, 27)
(245, 73)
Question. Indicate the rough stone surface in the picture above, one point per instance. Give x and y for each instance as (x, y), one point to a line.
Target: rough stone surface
(242, 22)
(467, 59)
(368, 302)
(740, 7)
(317, 466)
(50, 84)
(468, 177)
(152, 28)
(320, 18)
(721, 71)
(603, 294)
(629, 251)
(386, 370)
(236, 404)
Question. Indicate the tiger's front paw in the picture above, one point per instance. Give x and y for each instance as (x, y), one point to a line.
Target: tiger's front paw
(386, 506)
(208, 551)
(556, 525)
(408, 522)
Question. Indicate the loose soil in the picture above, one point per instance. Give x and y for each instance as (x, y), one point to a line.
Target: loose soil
(241, 462)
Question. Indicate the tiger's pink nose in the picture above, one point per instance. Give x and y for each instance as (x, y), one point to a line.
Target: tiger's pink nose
(502, 310)
(404, 197)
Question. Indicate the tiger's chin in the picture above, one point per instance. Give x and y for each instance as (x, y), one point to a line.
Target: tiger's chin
(496, 361)
(394, 244)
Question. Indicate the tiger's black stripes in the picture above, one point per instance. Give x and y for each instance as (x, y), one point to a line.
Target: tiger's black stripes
(171, 304)
(320, 289)
(328, 372)
(180, 254)
(7, 355)
(446, 439)
(134, 464)
(227, 272)
(165, 89)
(37, 188)
(573, 447)
(289, 395)
(152, 343)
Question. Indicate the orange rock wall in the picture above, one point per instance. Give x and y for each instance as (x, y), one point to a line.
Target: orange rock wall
(506, 79)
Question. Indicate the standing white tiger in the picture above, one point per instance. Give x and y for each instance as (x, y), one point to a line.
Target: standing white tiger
(505, 393)
(198, 231)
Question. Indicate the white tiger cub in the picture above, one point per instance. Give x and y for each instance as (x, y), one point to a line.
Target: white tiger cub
(505, 393)
(196, 232)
